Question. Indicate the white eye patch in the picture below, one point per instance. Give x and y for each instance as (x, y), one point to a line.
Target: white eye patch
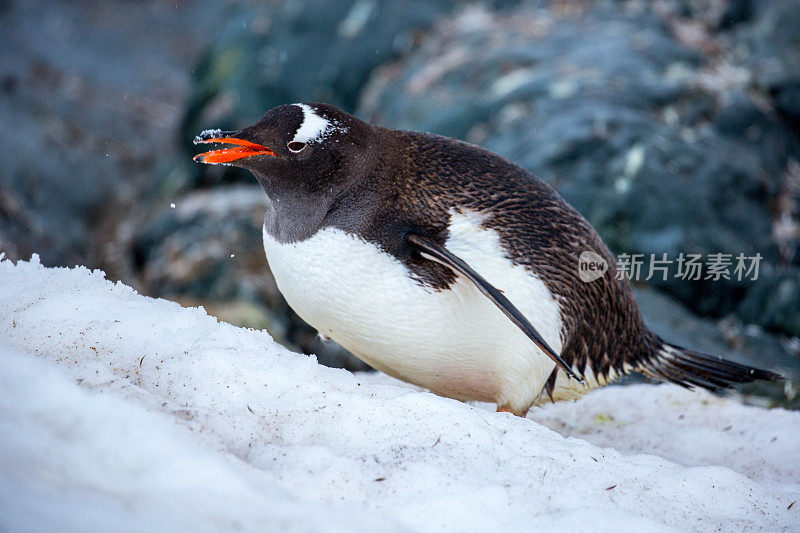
(314, 127)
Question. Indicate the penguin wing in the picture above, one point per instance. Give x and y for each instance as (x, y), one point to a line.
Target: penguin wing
(436, 252)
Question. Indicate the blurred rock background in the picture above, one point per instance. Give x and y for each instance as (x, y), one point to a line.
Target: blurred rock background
(673, 126)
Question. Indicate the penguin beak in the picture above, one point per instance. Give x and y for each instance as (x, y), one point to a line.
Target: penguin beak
(243, 148)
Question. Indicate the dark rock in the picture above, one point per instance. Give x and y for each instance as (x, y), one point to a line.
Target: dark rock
(774, 301)
(207, 246)
(736, 12)
(89, 105)
(768, 46)
(786, 95)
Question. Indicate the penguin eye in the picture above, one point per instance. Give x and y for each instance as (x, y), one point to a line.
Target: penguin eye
(295, 146)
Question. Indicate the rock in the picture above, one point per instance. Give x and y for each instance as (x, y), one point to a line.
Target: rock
(774, 301)
(736, 11)
(89, 107)
(786, 95)
(207, 246)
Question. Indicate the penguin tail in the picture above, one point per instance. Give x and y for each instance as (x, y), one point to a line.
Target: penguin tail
(690, 369)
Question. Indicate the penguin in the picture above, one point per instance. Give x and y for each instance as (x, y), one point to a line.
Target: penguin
(445, 265)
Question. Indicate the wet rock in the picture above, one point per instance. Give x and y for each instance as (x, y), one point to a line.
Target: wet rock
(774, 302)
(89, 105)
(735, 12)
(207, 246)
(786, 95)
(769, 47)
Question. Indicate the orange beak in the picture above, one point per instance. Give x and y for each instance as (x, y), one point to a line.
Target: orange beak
(226, 155)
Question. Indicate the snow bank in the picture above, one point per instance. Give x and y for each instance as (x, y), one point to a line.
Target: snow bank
(121, 410)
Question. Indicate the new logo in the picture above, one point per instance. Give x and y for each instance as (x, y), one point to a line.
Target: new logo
(591, 266)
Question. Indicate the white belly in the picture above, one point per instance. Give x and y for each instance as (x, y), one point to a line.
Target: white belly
(454, 342)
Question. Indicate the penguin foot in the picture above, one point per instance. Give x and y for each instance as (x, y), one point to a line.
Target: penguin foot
(508, 409)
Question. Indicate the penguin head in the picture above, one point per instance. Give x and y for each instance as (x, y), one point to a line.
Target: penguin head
(300, 147)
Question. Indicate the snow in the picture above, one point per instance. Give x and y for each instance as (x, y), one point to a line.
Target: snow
(208, 134)
(126, 412)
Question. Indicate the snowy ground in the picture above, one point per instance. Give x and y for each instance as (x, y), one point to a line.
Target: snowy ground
(119, 411)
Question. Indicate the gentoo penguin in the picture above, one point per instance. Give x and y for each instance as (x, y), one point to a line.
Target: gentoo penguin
(445, 265)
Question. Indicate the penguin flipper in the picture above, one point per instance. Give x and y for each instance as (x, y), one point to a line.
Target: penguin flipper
(438, 253)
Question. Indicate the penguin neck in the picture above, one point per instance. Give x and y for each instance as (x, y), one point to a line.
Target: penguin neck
(294, 217)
